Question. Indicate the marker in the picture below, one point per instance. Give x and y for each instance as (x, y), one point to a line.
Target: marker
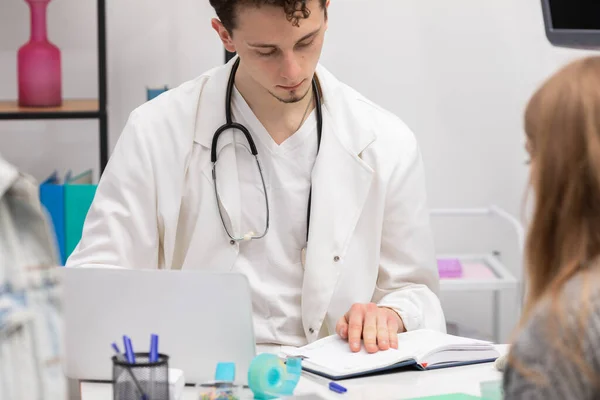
(334, 387)
(154, 348)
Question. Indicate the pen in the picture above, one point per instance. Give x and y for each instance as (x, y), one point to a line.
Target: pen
(334, 387)
(121, 358)
(128, 349)
(154, 348)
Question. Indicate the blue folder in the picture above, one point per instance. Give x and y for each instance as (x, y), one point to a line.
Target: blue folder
(52, 197)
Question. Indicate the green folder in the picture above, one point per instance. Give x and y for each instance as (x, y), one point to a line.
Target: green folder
(491, 390)
(452, 396)
(79, 193)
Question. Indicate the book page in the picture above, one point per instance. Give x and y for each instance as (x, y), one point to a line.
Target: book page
(426, 342)
(334, 354)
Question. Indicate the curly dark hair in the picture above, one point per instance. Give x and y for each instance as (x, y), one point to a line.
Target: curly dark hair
(294, 9)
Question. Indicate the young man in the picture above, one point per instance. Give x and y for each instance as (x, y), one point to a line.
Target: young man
(345, 245)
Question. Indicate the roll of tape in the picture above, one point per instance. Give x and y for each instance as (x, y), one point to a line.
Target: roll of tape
(269, 377)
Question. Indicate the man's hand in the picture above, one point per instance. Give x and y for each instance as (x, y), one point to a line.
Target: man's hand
(377, 326)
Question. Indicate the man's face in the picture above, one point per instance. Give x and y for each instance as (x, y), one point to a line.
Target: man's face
(275, 54)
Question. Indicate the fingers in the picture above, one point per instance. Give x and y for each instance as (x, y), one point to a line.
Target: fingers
(392, 323)
(341, 327)
(378, 327)
(355, 327)
(383, 329)
(370, 328)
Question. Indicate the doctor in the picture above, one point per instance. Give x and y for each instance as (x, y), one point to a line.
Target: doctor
(345, 245)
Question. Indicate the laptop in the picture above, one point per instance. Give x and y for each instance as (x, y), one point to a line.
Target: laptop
(201, 318)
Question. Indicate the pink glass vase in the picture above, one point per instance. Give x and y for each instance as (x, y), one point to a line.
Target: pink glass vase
(38, 63)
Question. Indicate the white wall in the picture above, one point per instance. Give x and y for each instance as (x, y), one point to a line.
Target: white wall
(458, 72)
(150, 43)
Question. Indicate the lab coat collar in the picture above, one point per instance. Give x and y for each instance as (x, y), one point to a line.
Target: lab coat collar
(211, 109)
(211, 106)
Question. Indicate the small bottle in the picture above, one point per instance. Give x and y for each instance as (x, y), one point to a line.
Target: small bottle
(223, 387)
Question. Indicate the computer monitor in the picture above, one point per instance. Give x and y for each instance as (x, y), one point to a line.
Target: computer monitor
(572, 23)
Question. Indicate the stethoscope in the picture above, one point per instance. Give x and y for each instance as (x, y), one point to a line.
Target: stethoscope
(233, 125)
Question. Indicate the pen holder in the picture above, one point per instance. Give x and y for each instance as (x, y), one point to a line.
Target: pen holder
(143, 380)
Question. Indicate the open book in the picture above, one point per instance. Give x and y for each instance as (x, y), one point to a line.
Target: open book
(423, 349)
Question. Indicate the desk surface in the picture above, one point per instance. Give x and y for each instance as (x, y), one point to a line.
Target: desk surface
(402, 385)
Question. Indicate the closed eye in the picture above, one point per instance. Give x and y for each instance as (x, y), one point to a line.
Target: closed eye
(305, 44)
(266, 54)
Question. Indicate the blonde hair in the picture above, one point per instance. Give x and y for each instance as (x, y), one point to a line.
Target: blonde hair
(562, 123)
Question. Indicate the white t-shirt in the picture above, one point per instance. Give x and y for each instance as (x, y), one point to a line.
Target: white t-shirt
(273, 264)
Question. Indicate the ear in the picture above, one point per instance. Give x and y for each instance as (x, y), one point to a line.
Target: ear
(326, 13)
(223, 35)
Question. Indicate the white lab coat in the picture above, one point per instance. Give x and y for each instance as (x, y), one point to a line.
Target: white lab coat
(369, 239)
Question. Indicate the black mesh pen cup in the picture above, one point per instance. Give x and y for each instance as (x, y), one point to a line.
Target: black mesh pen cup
(143, 380)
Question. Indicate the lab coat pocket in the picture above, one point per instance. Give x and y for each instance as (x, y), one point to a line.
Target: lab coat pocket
(210, 249)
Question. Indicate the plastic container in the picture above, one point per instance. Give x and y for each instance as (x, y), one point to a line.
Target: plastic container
(219, 391)
(449, 268)
(223, 387)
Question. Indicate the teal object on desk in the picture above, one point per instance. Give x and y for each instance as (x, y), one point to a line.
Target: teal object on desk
(225, 372)
(269, 377)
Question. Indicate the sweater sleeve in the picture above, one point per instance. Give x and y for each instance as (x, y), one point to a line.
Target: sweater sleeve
(550, 374)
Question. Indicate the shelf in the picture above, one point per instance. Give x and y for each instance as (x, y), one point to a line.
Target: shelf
(497, 276)
(71, 109)
(75, 109)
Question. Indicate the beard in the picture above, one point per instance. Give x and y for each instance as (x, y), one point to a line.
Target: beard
(293, 97)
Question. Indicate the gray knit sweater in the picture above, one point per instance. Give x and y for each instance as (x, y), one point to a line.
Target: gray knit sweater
(533, 348)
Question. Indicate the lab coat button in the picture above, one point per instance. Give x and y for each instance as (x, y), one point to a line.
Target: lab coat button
(232, 242)
(336, 259)
(311, 330)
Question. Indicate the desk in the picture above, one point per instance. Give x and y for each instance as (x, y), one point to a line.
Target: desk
(402, 385)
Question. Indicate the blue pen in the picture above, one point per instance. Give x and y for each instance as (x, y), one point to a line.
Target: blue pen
(128, 349)
(153, 348)
(334, 387)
